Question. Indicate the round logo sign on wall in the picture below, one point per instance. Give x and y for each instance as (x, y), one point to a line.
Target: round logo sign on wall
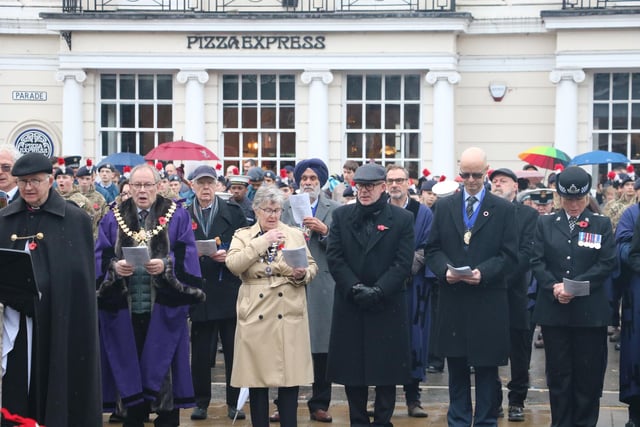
(34, 141)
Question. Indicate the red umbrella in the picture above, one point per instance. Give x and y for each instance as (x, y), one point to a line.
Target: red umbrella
(180, 150)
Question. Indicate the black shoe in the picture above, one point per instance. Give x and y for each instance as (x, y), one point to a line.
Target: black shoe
(617, 346)
(433, 370)
(116, 418)
(615, 337)
(516, 413)
(199, 414)
(500, 412)
(233, 413)
(415, 410)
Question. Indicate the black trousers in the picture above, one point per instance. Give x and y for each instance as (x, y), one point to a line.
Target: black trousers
(321, 388)
(519, 359)
(383, 406)
(287, 406)
(15, 395)
(461, 413)
(576, 360)
(204, 338)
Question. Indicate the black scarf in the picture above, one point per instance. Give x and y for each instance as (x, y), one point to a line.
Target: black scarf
(365, 215)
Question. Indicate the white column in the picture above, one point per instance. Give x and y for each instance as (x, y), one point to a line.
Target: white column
(444, 153)
(72, 117)
(194, 128)
(566, 133)
(318, 121)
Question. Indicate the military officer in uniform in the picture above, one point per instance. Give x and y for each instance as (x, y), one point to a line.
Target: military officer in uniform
(96, 200)
(578, 245)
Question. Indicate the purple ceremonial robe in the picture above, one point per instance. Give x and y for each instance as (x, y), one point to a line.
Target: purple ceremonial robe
(418, 294)
(166, 346)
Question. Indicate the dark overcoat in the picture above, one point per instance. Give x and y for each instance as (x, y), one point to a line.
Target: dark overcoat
(370, 347)
(557, 255)
(472, 321)
(220, 285)
(67, 353)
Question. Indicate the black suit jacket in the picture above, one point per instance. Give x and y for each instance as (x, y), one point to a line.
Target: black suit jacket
(472, 321)
(558, 255)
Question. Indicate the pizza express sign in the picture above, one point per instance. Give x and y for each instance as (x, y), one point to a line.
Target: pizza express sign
(256, 42)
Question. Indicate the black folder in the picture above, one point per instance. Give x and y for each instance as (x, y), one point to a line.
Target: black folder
(18, 288)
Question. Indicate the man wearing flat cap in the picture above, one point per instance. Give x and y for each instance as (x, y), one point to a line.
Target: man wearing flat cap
(576, 244)
(62, 357)
(311, 175)
(504, 184)
(256, 178)
(239, 189)
(370, 252)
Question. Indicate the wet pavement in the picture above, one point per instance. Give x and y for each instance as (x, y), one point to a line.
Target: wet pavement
(434, 397)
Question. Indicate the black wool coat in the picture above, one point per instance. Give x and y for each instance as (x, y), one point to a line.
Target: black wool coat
(472, 321)
(370, 347)
(557, 254)
(219, 284)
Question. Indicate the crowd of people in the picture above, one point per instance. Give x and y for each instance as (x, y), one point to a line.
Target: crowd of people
(302, 277)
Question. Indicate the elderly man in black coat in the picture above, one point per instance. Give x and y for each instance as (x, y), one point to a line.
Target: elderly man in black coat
(477, 230)
(369, 253)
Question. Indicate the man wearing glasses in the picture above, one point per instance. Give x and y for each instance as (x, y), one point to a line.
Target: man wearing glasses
(53, 367)
(369, 253)
(143, 303)
(472, 244)
(8, 188)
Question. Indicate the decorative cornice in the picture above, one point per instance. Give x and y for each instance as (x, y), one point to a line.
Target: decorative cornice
(453, 77)
(200, 75)
(308, 76)
(78, 75)
(576, 75)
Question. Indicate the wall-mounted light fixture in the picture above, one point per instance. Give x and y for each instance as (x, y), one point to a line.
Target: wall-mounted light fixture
(497, 90)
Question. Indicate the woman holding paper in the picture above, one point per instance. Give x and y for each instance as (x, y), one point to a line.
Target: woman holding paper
(272, 347)
(574, 245)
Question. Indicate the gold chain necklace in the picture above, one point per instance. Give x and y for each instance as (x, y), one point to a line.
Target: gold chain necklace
(143, 236)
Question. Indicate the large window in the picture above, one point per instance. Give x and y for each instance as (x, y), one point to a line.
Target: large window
(616, 115)
(383, 119)
(259, 119)
(135, 112)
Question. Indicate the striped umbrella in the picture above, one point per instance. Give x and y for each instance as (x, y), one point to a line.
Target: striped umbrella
(545, 157)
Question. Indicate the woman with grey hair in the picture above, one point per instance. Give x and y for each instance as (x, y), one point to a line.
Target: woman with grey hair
(272, 346)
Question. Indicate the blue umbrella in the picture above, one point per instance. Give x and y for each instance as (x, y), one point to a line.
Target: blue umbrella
(119, 160)
(598, 157)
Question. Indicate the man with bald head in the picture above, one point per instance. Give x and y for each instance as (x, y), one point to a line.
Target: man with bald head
(476, 230)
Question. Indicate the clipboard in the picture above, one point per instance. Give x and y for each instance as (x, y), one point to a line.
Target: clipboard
(18, 287)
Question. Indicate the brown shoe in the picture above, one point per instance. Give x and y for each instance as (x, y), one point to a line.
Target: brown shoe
(275, 417)
(320, 415)
(414, 409)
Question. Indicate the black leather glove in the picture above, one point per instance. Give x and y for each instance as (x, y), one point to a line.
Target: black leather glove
(366, 297)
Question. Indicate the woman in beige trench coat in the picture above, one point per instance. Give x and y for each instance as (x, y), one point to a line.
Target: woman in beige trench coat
(272, 347)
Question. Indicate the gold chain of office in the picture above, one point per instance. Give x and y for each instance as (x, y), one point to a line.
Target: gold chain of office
(143, 236)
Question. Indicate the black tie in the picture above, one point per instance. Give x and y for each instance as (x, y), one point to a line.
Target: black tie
(142, 216)
(470, 201)
(572, 222)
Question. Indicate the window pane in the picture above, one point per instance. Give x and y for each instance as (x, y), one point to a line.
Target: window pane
(635, 86)
(268, 86)
(412, 87)
(412, 145)
(287, 87)
(145, 86)
(269, 144)
(392, 145)
(373, 119)
(249, 116)
(249, 86)
(230, 117)
(108, 115)
(601, 86)
(354, 116)
(602, 141)
(287, 144)
(128, 143)
(145, 119)
(635, 147)
(619, 143)
(600, 116)
(147, 141)
(127, 116)
(354, 145)
(164, 137)
(109, 143)
(635, 116)
(250, 144)
(165, 116)
(392, 86)
(412, 116)
(392, 117)
(287, 117)
(354, 88)
(231, 144)
(412, 168)
(268, 117)
(620, 86)
(230, 87)
(127, 86)
(620, 116)
(108, 86)
(374, 87)
(373, 145)
(165, 86)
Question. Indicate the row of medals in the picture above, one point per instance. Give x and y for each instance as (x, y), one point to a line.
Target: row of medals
(589, 240)
(271, 254)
